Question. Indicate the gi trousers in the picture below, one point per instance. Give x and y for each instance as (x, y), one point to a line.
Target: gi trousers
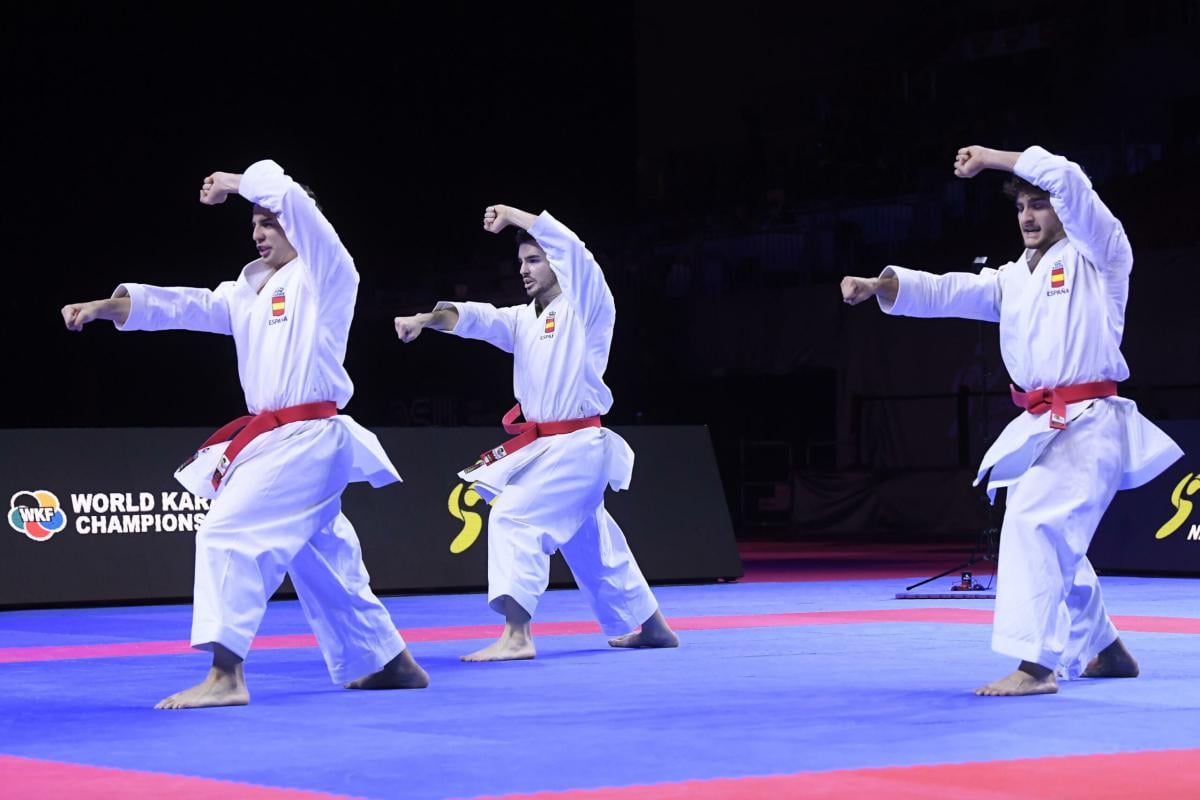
(1049, 608)
(279, 511)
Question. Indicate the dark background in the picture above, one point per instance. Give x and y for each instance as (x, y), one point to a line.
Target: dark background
(726, 164)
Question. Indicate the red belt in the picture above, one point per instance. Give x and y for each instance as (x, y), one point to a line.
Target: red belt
(243, 430)
(1039, 401)
(527, 432)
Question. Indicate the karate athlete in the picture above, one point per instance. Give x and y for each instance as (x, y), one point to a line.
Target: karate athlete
(549, 481)
(1061, 309)
(276, 487)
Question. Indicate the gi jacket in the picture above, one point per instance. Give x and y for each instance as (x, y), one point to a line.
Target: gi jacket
(559, 355)
(1060, 324)
(290, 326)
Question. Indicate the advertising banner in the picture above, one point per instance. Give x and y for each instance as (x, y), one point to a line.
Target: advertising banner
(1156, 528)
(95, 516)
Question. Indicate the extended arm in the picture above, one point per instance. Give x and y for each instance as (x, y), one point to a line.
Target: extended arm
(76, 315)
(483, 321)
(856, 290)
(440, 319)
(136, 306)
(142, 307)
(912, 293)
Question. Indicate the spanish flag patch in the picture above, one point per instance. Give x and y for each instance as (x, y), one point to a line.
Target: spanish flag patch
(1057, 276)
(550, 322)
(278, 302)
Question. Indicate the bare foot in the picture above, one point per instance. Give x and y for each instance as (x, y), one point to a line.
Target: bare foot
(1029, 679)
(1114, 661)
(515, 644)
(220, 688)
(402, 672)
(655, 632)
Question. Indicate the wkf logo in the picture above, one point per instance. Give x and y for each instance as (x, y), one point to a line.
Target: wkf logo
(278, 303)
(38, 514)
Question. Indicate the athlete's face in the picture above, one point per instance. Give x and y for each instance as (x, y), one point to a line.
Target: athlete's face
(1040, 225)
(540, 281)
(273, 246)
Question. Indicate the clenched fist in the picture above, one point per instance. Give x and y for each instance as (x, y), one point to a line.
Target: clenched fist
(218, 186)
(76, 315)
(496, 218)
(855, 290)
(971, 161)
(409, 328)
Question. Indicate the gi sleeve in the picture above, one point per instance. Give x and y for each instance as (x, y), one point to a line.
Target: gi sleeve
(483, 321)
(266, 184)
(955, 294)
(164, 308)
(1096, 233)
(579, 276)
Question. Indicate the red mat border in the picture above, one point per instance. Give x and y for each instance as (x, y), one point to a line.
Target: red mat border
(1101, 776)
(970, 616)
(51, 780)
(1106, 776)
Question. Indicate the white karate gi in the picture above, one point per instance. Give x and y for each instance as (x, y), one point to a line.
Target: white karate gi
(278, 508)
(1054, 331)
(550, 494)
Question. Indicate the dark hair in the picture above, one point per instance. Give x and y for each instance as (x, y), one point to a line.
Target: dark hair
(524, 237)
(1015, 186)
(308, 191)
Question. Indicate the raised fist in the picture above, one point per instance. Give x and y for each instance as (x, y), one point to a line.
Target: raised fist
(971, 161)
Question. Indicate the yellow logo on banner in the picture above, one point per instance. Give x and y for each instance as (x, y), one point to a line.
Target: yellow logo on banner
(472, 520)
(1183, 508)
